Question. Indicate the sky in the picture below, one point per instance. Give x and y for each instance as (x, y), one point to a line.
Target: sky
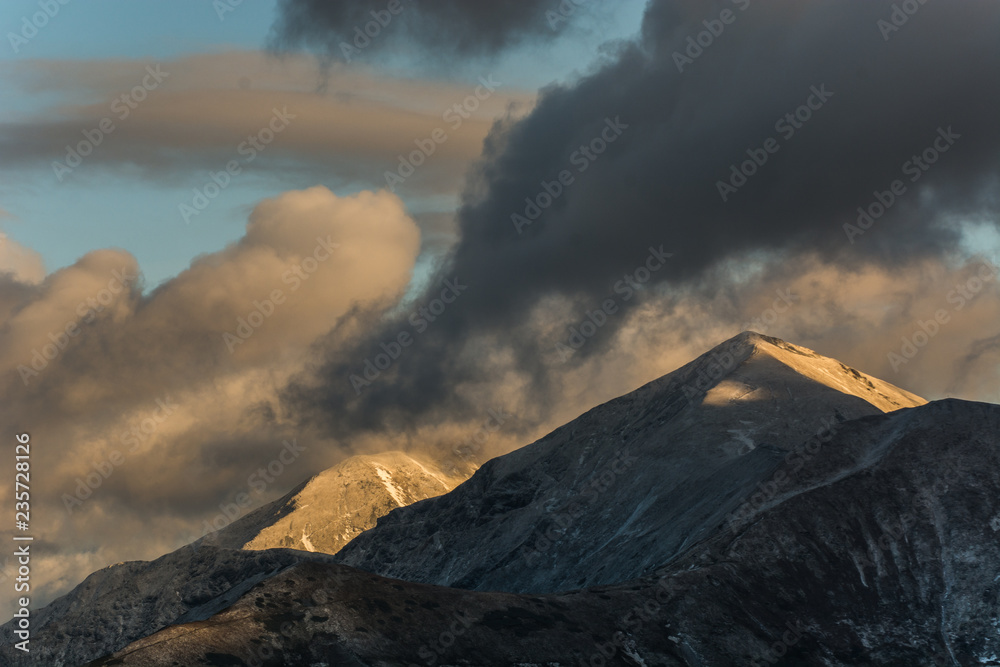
(115, 204)
(230, 226)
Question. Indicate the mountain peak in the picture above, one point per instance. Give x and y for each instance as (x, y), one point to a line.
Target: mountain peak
(750, 365)
(333, 506)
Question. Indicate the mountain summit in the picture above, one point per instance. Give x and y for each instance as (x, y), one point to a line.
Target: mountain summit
(333, 507)
(629, 485)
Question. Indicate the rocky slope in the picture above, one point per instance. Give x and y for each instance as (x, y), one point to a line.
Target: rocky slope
(117, 605)
(124, 602)
(630, 484)
(875, 546)
(330, 509)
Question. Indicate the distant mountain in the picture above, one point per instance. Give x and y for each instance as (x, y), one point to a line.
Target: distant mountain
(125, 602)
(330, 509)
(632, 483)
(877, 546)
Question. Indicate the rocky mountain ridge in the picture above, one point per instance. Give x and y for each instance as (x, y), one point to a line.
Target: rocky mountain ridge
(881, 549)
(632, 483)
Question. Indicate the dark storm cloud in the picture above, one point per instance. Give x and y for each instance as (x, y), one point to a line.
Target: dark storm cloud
(671, 130)
(443, 27)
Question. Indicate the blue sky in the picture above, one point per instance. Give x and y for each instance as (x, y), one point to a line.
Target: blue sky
(117, 206)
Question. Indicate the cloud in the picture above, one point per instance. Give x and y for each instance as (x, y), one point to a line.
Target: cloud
(197, 118)
(439, 28)
(23, 264)
(567, 201)
(163, 404)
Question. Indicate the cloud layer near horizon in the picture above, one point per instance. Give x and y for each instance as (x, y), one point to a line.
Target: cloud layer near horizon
(204, 107)
(442, 29)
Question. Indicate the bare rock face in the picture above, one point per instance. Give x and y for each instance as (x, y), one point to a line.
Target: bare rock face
(875, 546)
(125, 602)
(330, 509)
(630, 484)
